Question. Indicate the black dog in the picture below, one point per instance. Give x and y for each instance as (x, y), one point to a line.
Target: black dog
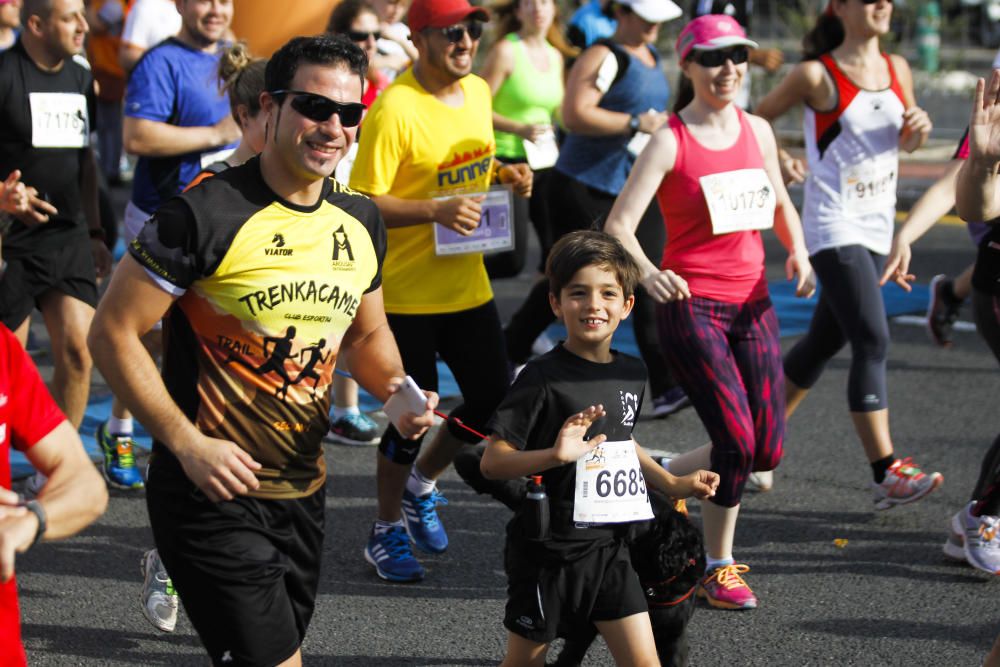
(669, 556)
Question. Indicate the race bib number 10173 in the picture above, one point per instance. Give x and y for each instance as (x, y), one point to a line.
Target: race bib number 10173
(59, 120)
(739, 201)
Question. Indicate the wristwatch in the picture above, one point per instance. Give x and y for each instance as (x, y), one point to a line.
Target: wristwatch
(36, 508)
(633, 124)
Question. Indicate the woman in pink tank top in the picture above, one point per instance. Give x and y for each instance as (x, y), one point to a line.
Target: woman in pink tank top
(714, 170)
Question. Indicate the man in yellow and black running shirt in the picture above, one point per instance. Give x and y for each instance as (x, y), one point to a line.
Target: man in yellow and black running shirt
(426, 153)
(265, 273)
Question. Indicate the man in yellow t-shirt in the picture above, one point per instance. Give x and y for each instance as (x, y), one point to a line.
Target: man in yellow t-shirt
(426, 152)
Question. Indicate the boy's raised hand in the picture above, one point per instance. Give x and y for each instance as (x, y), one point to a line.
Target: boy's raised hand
(701, 484)
(570, 444)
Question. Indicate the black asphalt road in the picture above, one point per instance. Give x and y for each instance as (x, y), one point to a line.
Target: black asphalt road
(888, 597)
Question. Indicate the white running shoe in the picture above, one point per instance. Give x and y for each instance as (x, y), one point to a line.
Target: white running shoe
(981, 539)
(159, 599)
(762, 481)
(904, 483)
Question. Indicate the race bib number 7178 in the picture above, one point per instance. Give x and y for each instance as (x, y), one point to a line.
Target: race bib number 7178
(59, 120)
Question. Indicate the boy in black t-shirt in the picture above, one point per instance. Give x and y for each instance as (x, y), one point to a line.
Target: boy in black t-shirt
(569, 417)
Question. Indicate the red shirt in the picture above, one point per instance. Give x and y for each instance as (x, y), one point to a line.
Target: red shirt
(724, 267)
(27, 414)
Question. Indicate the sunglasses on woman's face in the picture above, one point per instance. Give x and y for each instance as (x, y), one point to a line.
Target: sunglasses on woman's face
(319, 109)
(718, 57)
(455, 33)
(362, 35)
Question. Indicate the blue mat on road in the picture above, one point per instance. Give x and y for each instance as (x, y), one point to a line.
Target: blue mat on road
(793, 315)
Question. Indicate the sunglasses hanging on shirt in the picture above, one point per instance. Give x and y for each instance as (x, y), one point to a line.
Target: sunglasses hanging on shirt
(319, 109)
(718, 57)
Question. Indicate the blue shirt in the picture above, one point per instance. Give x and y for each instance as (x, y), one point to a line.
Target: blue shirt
(174, 84)
(603, 163)
(592, 23)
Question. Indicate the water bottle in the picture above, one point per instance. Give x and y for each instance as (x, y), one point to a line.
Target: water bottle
(536, 510)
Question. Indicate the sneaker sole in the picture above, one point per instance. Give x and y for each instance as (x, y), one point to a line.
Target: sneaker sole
(396, 579)
(889, 503)
(719, 604)
(954, 551)
(341, 440)
(958, 530)
(155, 621)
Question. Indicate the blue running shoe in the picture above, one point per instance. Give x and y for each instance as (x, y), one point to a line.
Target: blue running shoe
(119, 460)
(422, 523)
(392, 556)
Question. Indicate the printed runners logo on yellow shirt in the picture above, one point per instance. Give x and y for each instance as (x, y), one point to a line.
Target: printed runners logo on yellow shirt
(466, 169)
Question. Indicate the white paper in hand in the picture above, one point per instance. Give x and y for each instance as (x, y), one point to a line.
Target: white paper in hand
(408, 398)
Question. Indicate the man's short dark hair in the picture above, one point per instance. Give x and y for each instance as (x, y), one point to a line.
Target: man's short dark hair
(40, 8)
(318, 50)
(580, 249)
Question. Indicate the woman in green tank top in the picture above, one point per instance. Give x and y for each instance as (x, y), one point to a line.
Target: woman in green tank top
(525, 71)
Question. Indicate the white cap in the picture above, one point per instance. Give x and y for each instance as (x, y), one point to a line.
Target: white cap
(654, 11)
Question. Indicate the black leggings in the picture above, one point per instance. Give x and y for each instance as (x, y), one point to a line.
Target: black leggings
(575, 206)
(536, 210)
(471, 343)
(987, 492)
(850, 309)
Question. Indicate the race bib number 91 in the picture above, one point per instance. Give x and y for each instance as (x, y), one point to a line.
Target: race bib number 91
(59, 120)
(610, 487)
(870, 187)
(739, 201)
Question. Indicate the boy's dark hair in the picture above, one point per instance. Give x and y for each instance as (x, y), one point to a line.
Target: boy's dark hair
(318, 50)
(583, 248)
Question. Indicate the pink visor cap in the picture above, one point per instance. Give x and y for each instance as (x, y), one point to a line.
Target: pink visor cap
(711, 32)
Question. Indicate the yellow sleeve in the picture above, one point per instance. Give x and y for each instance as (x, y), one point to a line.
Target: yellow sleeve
(380, 149)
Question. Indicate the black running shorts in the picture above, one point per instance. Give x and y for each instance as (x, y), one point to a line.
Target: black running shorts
(246, 570)
(68, 269)
(555, 599)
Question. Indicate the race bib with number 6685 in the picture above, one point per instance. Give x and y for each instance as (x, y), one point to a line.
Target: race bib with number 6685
(610, 487)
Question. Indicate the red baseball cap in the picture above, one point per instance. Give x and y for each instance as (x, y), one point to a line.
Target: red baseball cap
(442, 13)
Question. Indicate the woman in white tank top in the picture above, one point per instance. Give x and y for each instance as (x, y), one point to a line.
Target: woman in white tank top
(859, 112)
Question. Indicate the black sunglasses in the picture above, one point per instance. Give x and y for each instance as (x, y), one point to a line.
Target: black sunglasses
(362, 35)
(718, 57)
(871, 2)
(319, 109)
(455, 33)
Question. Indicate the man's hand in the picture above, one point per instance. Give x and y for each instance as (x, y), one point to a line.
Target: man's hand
(651, 121)
(570, 444)
(18, 527)
(519, 176)
(665, 286)
(533, 131)
(102, 257)
(793, 170)
(411, 426)
(23, 201)
(219, 468)
(460, 214)
(227, 130)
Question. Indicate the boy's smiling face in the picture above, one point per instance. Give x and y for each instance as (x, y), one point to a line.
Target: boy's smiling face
(591, 305)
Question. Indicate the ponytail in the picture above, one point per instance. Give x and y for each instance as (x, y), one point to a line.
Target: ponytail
(242, 78)
(826, 35)
(684, 94)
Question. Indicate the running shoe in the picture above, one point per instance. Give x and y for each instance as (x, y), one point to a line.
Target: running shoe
(762, 481)
(980, 539)
(355, 429)
(392, 557)
(904, 483)
(954, 546)
(724, 588)
(422, 522)
(159, 599)
(674, 400)
(942, 310)
(119, 466)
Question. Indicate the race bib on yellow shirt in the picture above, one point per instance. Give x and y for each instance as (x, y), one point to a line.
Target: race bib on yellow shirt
(869, 187)
(495, 232)
(610, 487)
(59, 120)
(739, 201)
